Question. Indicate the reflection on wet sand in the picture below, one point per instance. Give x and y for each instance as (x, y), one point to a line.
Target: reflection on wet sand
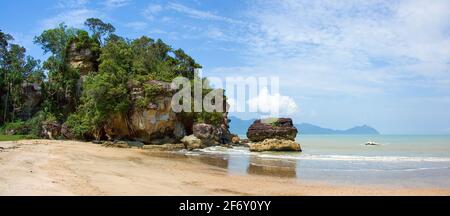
(277, 168)
(250, 165)
(218, 161)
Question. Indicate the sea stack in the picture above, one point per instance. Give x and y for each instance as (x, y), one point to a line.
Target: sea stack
(273, 134)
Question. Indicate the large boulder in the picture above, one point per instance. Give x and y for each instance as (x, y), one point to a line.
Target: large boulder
(203, 131)
(191, 142)
(212, 135)
(273, 128)
(274, 145)
(206, 133)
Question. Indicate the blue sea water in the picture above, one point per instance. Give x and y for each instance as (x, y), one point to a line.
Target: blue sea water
(399, 160)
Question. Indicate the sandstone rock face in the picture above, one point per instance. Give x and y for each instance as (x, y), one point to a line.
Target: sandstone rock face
(192, 142)
(82, 59)
(275, 145)
(155, 123)
(151, 120)
(117, 127)
(281, 128)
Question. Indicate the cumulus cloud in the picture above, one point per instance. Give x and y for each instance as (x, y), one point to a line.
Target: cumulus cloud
(272, 104)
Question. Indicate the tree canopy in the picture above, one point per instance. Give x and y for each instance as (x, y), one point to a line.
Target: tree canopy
(84, 101)
(99, 29)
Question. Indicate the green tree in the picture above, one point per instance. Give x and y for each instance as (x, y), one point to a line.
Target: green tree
(4, 41)
(16, 69)
(99, 29)
(61, 79)
(105, 93)
(185, 65)
(62, 89)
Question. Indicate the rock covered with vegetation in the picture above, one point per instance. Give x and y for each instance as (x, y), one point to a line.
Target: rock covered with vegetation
(150, 118)
(96, 85)
(273, 134)
(272, 128)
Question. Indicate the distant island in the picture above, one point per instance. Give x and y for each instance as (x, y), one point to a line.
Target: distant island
(240, 126)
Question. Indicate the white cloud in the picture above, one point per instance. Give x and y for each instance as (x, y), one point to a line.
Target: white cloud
(151, 11)
(347, 47)
(272, 104)
(381, 42)
(67, 4)
(138, 26)
(199, 14)
(112, 4)
(73, 18)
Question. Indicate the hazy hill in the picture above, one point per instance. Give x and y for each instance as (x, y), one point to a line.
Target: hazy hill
(240, 126)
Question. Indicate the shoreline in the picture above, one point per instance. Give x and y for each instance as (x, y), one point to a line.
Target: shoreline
(49, 167)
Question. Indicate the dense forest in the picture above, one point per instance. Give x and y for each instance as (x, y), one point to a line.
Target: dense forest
(84, 95)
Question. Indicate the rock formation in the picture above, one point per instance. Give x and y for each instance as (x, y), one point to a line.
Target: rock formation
(281, 128)
(82, 59)
(51, 130)
(211, 135)
(275, 134)
(191, 142)
(154, 123)
(275, 145)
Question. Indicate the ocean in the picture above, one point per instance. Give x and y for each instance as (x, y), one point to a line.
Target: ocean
(398, 160)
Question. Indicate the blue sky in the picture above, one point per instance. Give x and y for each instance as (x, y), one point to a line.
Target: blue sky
(343, 63)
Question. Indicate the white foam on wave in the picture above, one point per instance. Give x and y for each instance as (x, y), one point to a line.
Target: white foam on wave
(391, 170)
(303, 156)
(360, 158)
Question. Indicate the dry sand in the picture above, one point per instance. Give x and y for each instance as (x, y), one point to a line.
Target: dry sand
(44, 167)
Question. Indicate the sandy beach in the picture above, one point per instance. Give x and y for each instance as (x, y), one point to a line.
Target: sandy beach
(45, 167)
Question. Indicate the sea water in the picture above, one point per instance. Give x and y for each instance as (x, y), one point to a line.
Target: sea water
(398, 160)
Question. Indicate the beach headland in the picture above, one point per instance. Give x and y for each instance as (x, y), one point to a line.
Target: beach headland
(49, 167)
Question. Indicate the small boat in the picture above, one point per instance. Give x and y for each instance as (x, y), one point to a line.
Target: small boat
(372, 143)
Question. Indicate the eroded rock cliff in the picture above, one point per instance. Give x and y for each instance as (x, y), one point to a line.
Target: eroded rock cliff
(150, 121)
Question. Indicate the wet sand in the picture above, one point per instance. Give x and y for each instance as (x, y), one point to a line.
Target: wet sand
(44, 167)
